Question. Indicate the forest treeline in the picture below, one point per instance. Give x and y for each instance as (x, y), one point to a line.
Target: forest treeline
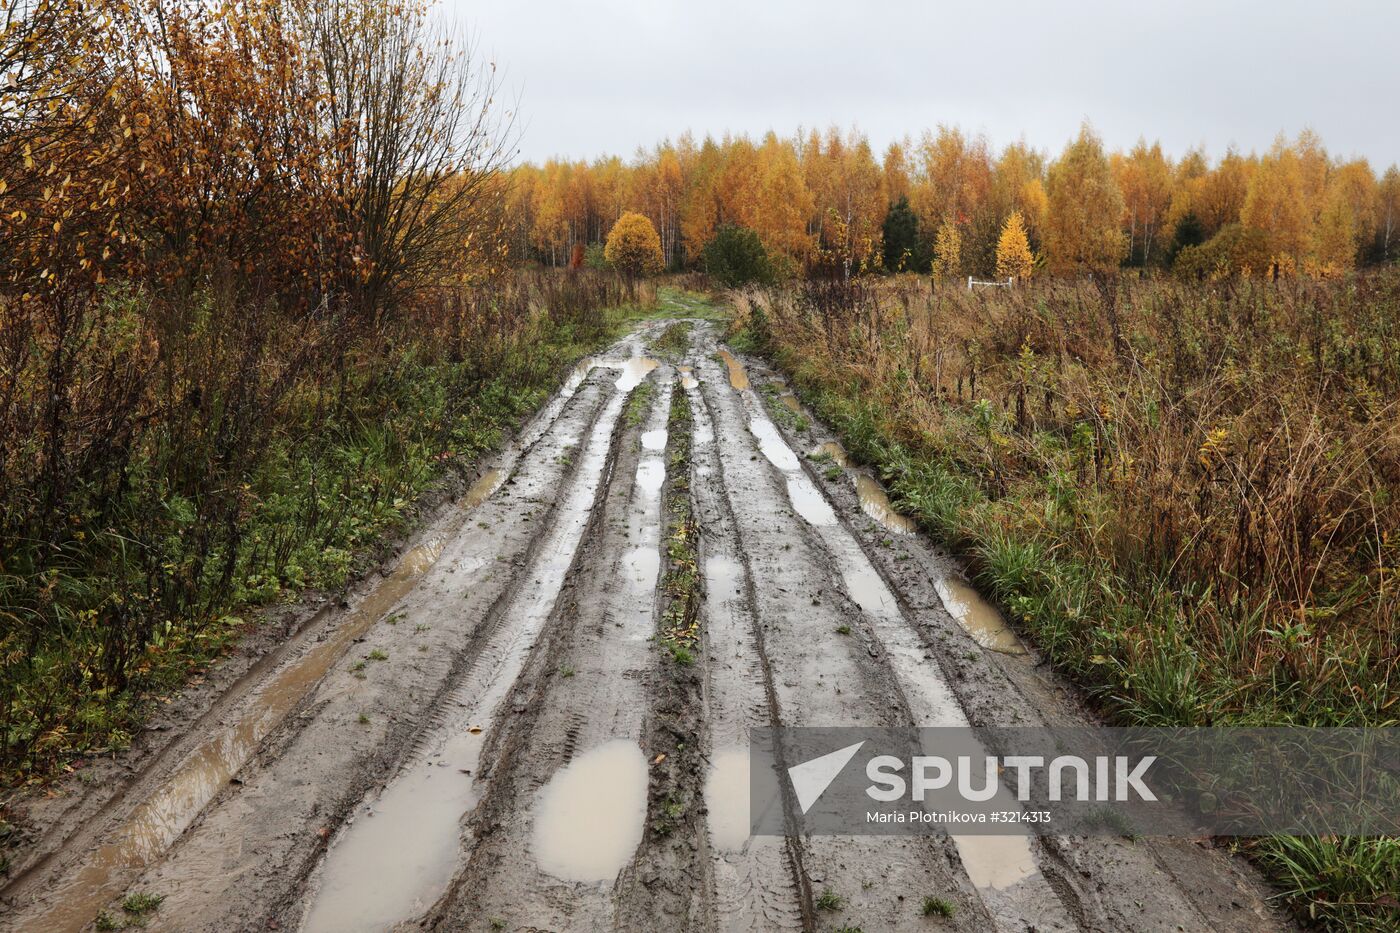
(825, 202)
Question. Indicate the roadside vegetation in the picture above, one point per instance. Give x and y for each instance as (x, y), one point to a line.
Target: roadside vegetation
(248, 314)
(1187, 495)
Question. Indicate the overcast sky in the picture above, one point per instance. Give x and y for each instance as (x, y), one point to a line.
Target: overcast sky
(605, 76)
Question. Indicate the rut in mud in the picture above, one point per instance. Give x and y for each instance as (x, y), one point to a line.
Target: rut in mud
(505, 733)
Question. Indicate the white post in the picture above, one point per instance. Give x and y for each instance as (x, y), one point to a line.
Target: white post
(969, 283)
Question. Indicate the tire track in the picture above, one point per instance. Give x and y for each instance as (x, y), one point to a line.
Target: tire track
(396, 865)
(820, 676)
(758, 881)
(156, 825)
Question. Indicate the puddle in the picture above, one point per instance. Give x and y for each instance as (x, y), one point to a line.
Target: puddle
(876, 504)
(634, 371)
(588, 819)
(979, 617)
(738, 377)
(722, 576)
(808, 501)
(787, 397)
(771, 443)
(835, 451)
(654, 440)
(164, 816)
(688, 380)
(369, 882)
(643, 564)
(727, 799)
(481, 490)
(651, 473)
(869, 591)
(996, 861)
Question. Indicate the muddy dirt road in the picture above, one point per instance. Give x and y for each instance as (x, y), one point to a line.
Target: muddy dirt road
(489, 736)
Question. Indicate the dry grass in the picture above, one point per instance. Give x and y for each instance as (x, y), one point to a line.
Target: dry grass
(1230, 454)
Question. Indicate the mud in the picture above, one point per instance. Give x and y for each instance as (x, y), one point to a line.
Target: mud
(492, 736)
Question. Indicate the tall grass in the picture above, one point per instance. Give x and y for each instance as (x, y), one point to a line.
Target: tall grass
(1186, 494)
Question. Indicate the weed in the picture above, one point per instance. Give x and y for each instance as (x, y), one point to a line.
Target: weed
(843, 629)
(937, 907)
(674, 339)
(829, 900)
(566, 671)
(140, 904)
(105, 922)
(377, 655)
(364, 719)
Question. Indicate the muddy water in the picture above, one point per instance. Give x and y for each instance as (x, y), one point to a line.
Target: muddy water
(727, 798)
(368, 882)
(808, 501)
(634, 371)
(833, 450)
(588, 819)
(481, 490)
(876, 504)
(738, 376)
(786, 397)
(981, 619)
(161, 818)
(688, 380)
(651, 473)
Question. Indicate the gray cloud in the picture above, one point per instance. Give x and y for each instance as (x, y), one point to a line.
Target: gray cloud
(610, 75)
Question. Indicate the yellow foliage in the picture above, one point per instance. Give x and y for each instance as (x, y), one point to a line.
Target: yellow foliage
(633, 246)
(1014, 259)
(947, 251)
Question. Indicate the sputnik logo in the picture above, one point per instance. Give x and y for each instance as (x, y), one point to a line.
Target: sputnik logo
(811, 778)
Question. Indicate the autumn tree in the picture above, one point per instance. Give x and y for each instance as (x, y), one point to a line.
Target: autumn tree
(1144, 177)
(1014, 259)
(634, 247)
(1085, 208)
(947, 251)
(1388, 213)
(1276, 208)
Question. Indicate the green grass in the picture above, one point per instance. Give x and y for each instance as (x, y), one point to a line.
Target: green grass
(828, 900)
(638, 403)
(139, 904)
(677, 302)
(937, 907)
(674, 340)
